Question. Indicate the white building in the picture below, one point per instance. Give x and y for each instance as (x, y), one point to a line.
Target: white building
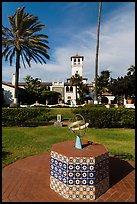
(68, 92)
(77, 64)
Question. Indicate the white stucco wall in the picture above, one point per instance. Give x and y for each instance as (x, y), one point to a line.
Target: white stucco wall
(8, 94)
(71, 95)
(77, 66)
(58, 87)
(77, 70)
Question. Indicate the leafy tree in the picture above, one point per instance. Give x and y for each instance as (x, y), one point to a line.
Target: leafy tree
(124, 86)
(103, 82)
(131, 70)
(131, 80)
(34, 91)
(33, 85)
(81, 88)
(21, 42)
(50, 96)
(3, 101)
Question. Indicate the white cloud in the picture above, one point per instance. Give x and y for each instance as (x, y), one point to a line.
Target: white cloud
(117, 44)
(117, 51)
(7, 72)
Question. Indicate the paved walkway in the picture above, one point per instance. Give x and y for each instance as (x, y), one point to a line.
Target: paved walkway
(27, 180)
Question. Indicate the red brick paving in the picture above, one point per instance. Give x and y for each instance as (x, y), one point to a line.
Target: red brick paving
(28, 180)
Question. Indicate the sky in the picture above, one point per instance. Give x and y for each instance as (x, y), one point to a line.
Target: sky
(72, 28)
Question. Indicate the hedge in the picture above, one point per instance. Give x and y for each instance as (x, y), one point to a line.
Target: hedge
(108, 117)
(98, 117)
(16, 116)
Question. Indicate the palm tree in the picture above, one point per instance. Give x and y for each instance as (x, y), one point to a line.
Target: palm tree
(97, 50)
(21, 42)
(76, 80)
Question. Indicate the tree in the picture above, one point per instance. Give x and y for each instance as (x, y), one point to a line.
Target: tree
(35, 91)
(32, 90)
(83, 90)
(124, 86)
(33, 85)
(103, 82)
(97, 50)
(3, 101)
(131, 70)
(76, 80)
(21, 42)
(50, 96)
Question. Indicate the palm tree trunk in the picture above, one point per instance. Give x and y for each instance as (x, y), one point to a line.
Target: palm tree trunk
(97, 50)
(17, 76)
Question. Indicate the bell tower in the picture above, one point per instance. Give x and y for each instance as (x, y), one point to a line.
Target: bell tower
(77, 64)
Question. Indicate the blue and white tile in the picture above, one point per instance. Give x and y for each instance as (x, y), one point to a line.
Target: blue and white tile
(71, 160)
(91, 167)
(91, 160)
(77, 167)
(70, 167)
(78, 174)
(91, 174)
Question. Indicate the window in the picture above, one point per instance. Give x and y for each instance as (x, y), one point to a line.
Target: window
(71, 89)
(74, 61)
(67, 89)
(78, 61)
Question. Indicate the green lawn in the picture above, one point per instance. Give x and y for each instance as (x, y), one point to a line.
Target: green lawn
(20, 142)
(66, 113)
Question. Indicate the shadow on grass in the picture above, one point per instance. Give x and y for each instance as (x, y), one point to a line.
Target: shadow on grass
(34, 124)
(118, 169)
(5, 153)
(29, 124)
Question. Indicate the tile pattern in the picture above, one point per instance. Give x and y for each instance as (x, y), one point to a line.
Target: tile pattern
(79, 177)
(72, 191)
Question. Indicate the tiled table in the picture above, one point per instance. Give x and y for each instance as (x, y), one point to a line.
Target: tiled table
(79, 173)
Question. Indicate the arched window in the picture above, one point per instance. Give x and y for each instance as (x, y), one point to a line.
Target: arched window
(67, 89)
(74, 61)
(71, 89)
(78, 61)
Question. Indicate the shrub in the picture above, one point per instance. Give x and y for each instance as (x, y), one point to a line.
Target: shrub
(107, 117)
(13, 116)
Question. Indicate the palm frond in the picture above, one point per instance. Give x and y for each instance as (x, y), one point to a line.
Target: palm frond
(38, 57)
(22, 36)
(12, 24)
(27, 59)
(11, 56)
(42, 52)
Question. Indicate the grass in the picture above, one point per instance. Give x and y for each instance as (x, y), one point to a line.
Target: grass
(119, 142)
(66, 113)
(21, 142)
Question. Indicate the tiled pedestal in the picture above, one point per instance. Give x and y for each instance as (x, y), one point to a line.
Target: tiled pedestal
(79, 173)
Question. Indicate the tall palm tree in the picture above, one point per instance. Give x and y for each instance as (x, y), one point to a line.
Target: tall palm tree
(97, 50)
(21, 42)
